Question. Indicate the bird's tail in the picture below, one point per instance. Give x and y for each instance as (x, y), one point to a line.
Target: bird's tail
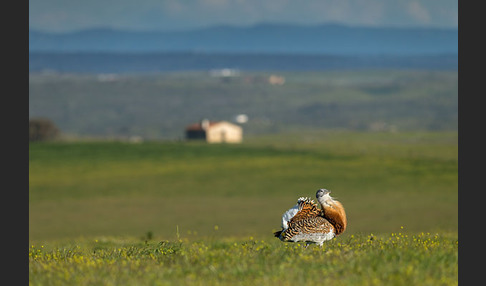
(277, 233)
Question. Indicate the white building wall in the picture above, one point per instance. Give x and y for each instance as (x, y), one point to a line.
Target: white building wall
(224, 132)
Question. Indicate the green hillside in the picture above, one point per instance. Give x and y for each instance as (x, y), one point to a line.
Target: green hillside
(160, 106)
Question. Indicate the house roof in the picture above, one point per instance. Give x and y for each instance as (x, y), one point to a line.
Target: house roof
(198, 126)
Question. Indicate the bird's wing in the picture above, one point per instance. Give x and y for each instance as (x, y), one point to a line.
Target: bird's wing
(307, 209)
(309, 225)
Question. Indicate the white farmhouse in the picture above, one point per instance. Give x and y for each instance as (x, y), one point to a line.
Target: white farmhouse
(215, 132)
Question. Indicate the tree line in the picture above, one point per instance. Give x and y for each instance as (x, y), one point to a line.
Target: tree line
(42, 129)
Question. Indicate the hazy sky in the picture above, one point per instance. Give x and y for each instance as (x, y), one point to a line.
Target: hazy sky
(67, 15)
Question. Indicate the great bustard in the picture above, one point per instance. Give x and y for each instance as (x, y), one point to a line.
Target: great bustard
(307, 222)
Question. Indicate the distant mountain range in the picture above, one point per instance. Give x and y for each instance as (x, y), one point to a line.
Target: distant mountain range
(263, 38)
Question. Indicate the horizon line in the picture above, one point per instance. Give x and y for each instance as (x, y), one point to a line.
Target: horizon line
(233, 26)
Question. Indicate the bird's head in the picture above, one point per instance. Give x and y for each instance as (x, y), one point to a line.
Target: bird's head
(324, 198)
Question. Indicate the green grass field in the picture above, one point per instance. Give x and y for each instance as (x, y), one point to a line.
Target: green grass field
(393, 259)
(174, 213)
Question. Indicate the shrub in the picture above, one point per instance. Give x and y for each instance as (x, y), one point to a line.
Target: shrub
(42, 129)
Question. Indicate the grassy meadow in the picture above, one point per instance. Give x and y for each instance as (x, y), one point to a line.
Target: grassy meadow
(171, 213)
(393, 259)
